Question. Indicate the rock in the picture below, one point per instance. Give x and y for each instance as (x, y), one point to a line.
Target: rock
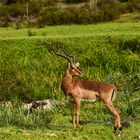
(125, 124)
(40, 105)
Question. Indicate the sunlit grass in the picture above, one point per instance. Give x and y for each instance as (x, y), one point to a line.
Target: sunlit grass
(57, 131)
(29, 71)
(103, 29)
(95, 123)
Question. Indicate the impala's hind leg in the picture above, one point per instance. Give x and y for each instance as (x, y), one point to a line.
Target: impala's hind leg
(116, 117)
(115, 124)
(118, 120)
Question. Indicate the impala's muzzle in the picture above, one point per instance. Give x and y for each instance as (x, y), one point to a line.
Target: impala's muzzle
(82, 74)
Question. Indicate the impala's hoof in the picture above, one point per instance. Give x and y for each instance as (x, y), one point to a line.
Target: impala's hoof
(119, 132)
(74, 126)
(115, 130)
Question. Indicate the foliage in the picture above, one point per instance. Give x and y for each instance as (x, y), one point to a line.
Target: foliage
(65, 16)
(76, 1)
(83, 15)
(53, 13)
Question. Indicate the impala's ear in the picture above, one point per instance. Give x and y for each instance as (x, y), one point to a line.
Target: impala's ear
(69, 65)
(77, 64)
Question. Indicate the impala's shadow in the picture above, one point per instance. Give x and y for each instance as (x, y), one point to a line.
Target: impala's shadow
(110, 123)
(125, 123)
(85, 122)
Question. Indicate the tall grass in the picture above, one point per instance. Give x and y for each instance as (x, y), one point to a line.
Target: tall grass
(14, 115)
(29, 69)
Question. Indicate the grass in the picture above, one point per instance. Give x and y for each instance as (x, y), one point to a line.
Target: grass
(86, 132)
(103, 29)
(96, 123)
(30, 71)
(31, 64)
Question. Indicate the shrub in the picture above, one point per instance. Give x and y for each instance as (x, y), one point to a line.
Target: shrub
(47, 13)
(76, 1)
(132, 45)
(30, 33)
(67, 16)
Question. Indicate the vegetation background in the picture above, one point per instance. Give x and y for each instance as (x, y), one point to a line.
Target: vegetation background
(29, 13)
(108, 51)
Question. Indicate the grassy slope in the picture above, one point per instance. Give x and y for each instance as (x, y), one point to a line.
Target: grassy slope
(75, 36)
(32, 63)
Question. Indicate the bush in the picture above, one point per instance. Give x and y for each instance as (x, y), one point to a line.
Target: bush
(132, 45)
(76, 1)
(67, 16)
(56, 17)
(47, 13)
(136, 4)
(30, 33)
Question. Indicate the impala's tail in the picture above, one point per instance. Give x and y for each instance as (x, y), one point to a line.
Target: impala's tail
(114, 93)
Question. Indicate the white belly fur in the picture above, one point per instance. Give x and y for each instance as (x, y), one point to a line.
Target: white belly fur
(89, 100)
(88, 95)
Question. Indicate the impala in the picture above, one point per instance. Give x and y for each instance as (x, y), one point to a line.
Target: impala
(77, 90)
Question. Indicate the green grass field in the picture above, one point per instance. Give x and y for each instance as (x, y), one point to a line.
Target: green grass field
(96, 30)
(29, 70)
(58, 132)
(96, 123)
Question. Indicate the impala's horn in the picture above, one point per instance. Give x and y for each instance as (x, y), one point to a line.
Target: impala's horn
(61, 55)
(67, 54)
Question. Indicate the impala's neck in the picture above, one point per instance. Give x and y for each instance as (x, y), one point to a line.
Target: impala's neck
(67, 77)
(67, 82)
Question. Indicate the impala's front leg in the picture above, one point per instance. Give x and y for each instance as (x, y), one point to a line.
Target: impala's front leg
(72, 107)
(78, 101)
